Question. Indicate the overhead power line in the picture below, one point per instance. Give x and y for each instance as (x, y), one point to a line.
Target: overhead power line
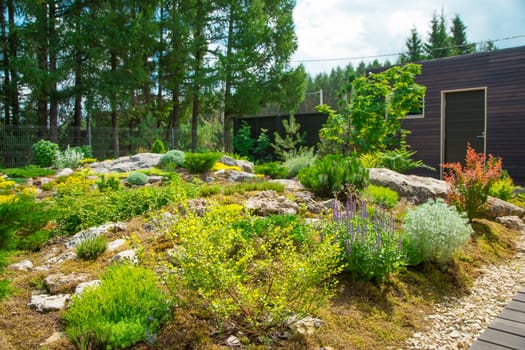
(397, 53)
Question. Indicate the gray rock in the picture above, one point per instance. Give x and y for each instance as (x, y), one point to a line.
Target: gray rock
(93, 232)
(330, 204)
(307, 325)
(497, 207)
(513, 222)
(267, 203)
(290, 184)
(57, 260)
(244, 165)
(82, 286)
(233, 341)
(53, 339)
(47, 303)
(152, 179)
(125, 256)
(416, 189)
(116, 244)
(65, 172)
(307, 199)
(234, 175)
(59, 283)
(24, 265)
(126, 164)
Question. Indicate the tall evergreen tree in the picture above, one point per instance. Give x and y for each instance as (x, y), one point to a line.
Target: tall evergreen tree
(414, 46)
(438, 41)
(458, 38)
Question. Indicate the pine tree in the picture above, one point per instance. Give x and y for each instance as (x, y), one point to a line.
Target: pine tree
(458, 38)
(414, 46)
(438, 41)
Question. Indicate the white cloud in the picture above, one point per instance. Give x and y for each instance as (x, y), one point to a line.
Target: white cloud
(330, 29)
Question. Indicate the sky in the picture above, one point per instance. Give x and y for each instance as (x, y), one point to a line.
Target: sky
(356, 30)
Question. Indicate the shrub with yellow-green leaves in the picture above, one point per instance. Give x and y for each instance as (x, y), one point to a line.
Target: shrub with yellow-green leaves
(256, 281)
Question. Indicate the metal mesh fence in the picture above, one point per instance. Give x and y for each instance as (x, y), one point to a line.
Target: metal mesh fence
(16, 141)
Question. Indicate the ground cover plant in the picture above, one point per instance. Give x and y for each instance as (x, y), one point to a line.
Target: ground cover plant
(126, 308)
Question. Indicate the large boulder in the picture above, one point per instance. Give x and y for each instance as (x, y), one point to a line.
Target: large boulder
(93, 232)
(47, 303)
(497, 207)
(127, 164)
(244, 165)
(234, 175)
(416, 189)
(267, 203)
(60, 283)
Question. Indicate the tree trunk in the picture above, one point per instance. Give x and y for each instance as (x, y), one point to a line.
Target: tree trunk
(5, 53)
(13, 44)
(77, 113)
(53, 96)
(175, 119)
(114, 119)
(228, 117)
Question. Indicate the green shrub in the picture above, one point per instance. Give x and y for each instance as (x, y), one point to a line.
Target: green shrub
(127, 307)
(172, 159)
(91, 248)
(43, 152)
(256, 283)
(381, 196)
(503, 188)
(275, 170)
(435, 232)
(5, 288)
(158, 147)
(335, 174)
(291, 225)
(400, 160)
(111, 183)
(86, 151)
(137, 178)
(70, 158)
(371, 248)
(243, 143)
(27, 172)
(208, 190)
(198, 163)
(294, 163)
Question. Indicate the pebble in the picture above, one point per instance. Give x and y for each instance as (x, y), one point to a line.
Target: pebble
(458, 322)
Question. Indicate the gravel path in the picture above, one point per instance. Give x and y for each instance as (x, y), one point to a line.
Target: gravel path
(458, 322)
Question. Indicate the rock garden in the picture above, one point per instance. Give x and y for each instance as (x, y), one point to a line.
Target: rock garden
(205, 251)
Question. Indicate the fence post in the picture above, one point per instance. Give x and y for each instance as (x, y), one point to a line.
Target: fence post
(89, 136)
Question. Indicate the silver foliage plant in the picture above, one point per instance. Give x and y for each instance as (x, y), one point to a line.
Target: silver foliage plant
(70, 158)
(435, 232)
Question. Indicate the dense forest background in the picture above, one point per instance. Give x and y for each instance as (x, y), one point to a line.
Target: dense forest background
(154, 67)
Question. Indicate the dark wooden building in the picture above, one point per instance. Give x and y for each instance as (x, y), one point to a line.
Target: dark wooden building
(477, 98)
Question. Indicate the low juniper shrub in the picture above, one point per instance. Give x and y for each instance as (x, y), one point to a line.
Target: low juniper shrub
(137, 178)
(171, 160)
(198, 163)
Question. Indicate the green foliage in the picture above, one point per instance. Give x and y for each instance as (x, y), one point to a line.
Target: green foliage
(137, 178)
(243, 142)
(208, 190)
(294, 163)
(126, 308)
(400, 160)
(256, 283)
(110, 183)
(382, 196)
(254, 227)
(503, 188)
(251, 186)
(435, 232)
(86, 151)
(70, 158)
(5, 288)
(275, 170)
(158, 147)
(43, 152)
(371, 248)
(371, 121)
(292, 141)
(335, 175)
(172, 159)
(198, 163)
(27, 172)
(469, 185)
(91, 248)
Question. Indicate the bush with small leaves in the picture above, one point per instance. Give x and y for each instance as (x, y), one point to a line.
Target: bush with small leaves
(275, 170)
(435, 232)
(158, 147)
(381, 196)
(126, 308)
(294, 163)
(172, 159)
(198, 163)
(43, 152)
(137, 178)
(503, 188)
(91, 248)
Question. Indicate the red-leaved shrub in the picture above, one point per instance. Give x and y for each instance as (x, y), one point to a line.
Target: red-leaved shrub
(468, 186)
